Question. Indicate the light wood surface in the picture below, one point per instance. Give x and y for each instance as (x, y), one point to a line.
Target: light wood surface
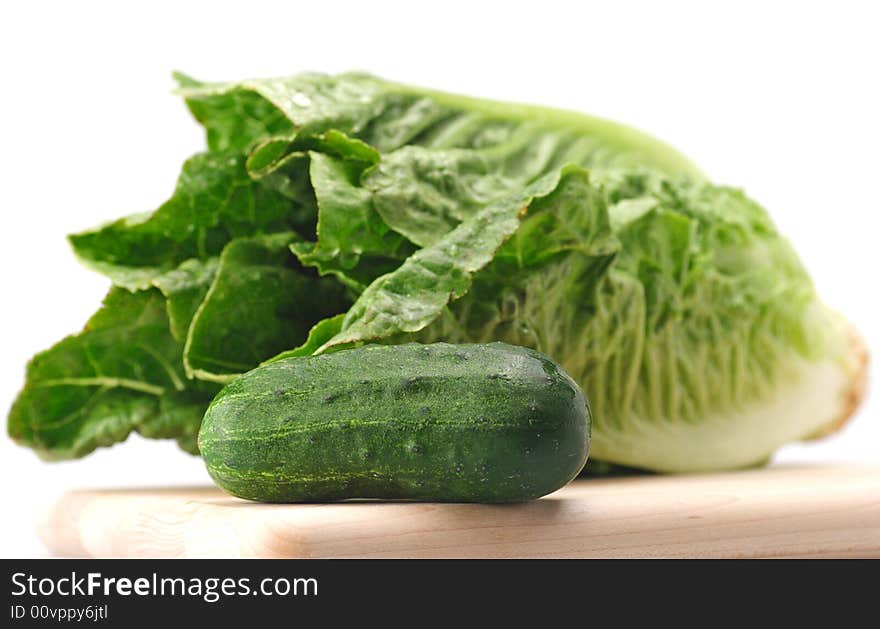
(810, 511)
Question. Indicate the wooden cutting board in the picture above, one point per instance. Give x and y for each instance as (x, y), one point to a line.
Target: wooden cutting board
(792, 511)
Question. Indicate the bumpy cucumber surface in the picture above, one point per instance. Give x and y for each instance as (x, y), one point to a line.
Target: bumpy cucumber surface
(439, 422)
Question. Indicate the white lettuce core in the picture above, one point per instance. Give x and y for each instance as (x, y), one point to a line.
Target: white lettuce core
(739, 438)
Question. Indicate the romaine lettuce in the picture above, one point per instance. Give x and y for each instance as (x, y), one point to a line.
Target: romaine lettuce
(370, 211)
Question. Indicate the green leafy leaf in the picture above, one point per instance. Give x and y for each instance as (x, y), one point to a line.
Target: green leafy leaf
(354, 243)
(235, 115)
(388, 116)
(235, 121)
(261, 302)
(215, 201)
(122, 373)
(423, 194)
(269, 154)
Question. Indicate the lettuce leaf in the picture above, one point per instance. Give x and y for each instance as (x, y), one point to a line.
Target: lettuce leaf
(260, 303)
(353, 242)
(122, 373)
(389, 116)
(215, 201)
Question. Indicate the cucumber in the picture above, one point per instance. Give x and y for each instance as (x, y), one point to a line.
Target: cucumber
(439, 422)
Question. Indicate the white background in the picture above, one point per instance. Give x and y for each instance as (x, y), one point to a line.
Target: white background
(778, 98)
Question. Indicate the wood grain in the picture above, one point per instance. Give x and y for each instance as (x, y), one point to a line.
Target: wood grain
(815, 511)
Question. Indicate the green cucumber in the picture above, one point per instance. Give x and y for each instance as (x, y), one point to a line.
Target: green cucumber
(440, 422)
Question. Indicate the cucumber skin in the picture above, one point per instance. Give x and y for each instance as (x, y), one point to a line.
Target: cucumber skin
(439, 422)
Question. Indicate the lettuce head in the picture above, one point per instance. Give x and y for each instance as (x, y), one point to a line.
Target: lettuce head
(333, 211)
